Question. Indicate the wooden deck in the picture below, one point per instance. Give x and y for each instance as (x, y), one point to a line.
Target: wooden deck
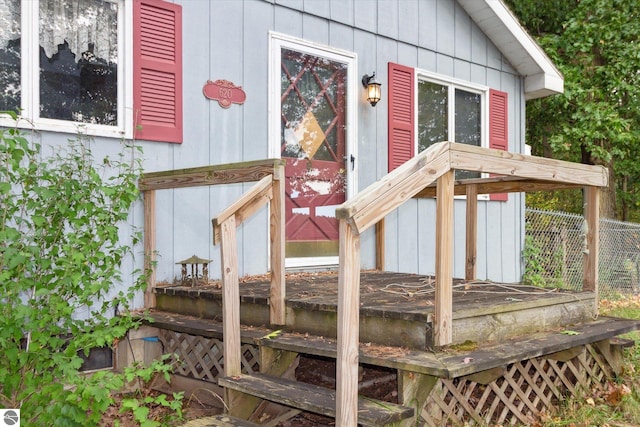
(409, 313)
(395, 308)
(503, 382)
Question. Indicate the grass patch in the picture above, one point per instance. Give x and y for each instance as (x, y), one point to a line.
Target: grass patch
(616, 404)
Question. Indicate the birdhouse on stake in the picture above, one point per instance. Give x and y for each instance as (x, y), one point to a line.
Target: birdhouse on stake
(195, 276)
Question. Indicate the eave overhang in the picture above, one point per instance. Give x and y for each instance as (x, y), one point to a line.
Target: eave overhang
(541, 77)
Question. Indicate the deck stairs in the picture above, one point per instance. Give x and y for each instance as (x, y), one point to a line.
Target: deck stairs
(313, 398)
(247, 393)
(272, 381)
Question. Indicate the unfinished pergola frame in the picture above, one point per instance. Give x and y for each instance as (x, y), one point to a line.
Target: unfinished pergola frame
(416, 178)
(429, 174)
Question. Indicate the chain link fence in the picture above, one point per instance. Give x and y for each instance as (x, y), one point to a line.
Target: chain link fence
(554, 250)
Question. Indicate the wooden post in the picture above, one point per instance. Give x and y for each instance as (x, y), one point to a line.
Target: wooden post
(230, 298)
(442, 328)
(472, 232)
(149, 197)
(592, 249)
(348, 327)
(277, 293)
(413, 390)
(380, 245)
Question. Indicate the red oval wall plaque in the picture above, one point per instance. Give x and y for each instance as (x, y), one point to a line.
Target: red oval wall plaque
(225, 92)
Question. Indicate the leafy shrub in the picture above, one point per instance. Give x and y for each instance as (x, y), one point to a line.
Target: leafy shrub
(533, 263)
(60, 257)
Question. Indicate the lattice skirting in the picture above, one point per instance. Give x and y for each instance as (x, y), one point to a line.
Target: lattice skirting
(522, 393)
(202, 358)
(525, 390)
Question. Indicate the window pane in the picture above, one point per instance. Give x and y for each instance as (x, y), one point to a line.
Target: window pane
(10, 55)
(468, 124)
(433, 115)
(78, 60)
(468, 117)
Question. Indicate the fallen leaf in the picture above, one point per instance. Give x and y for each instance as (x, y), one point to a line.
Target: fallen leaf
(273, 334)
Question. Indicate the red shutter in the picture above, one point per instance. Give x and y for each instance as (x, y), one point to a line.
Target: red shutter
(499, 128)
(157, 75)
(401, 114)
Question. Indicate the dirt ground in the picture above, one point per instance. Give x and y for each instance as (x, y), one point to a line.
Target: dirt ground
(376, 383)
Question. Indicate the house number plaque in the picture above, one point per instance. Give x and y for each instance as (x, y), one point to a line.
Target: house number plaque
(225, 92)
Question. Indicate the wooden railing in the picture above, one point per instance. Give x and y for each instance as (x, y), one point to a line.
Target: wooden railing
(269, 188)
(431, 174)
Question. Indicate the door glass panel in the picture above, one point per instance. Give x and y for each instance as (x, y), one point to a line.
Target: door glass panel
(313, 136)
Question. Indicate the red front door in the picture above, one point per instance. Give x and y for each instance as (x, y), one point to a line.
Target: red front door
(313, 145)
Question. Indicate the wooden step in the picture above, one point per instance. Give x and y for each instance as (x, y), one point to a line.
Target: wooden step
(316, 399)
(220, 421)
(622, 342)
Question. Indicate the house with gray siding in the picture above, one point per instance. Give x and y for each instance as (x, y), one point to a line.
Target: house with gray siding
(372, 128)
(205, 82)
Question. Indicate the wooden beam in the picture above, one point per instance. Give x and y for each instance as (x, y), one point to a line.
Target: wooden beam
(389, 200)
(487, 376)
(566, 355)
(380, 250)
(471, 232)
(410, 179)
(376, 201)
(348, 327)
(591, 239)
(277, 291)
(248, 204)
(150, 247)
(230, 298)
(413, 390)
(500, 185)
(229, 173)
(472, 158)
(443, 326)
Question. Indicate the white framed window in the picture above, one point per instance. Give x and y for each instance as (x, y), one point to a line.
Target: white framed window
(450, 110)
(426, 108)
(63, 65)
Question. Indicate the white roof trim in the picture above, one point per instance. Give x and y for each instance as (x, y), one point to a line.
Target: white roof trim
(541, 77)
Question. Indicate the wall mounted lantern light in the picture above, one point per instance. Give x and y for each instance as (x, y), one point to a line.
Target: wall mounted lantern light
(373, 88)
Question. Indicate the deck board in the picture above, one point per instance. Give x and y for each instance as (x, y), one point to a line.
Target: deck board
(396, 309)
(386, 294)
(446, 363)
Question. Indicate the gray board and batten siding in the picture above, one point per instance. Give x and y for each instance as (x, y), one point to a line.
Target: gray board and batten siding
(229, 39)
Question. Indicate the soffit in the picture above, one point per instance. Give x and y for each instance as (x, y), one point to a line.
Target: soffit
(494, 18)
